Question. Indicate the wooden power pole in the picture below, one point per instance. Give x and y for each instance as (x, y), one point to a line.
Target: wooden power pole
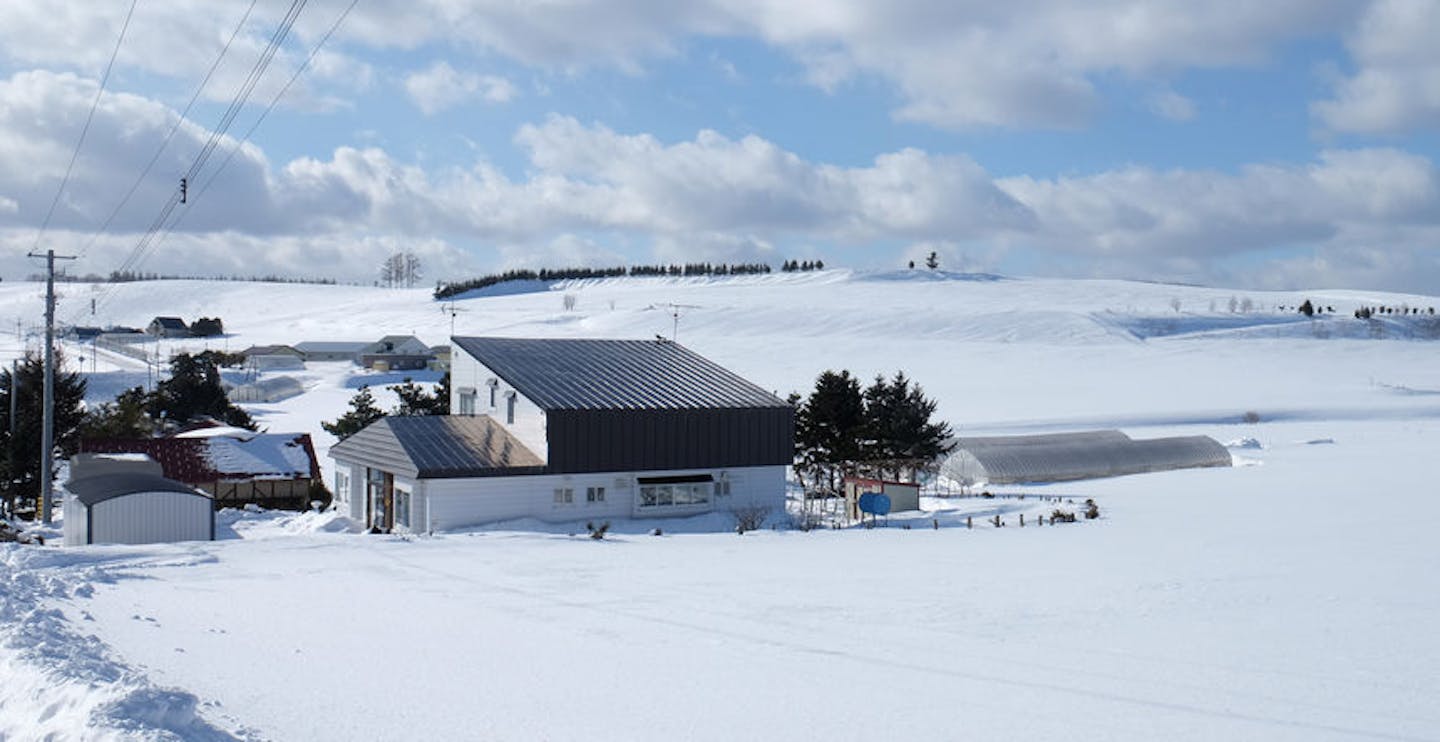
(47, 426)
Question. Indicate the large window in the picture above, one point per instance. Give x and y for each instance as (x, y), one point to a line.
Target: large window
(467, 401)
(667, 495)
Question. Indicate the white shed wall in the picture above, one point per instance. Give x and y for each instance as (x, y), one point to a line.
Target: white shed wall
(75, 524)
(529, 427)
(459, 503)
(151, 517)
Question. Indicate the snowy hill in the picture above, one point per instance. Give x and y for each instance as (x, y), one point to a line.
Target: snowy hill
(1281, 599)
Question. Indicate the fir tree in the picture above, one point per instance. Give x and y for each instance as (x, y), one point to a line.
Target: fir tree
(362, 412)
(194, 391)
(901, 439)
(829, 426)
(415, 400)
(20, 461)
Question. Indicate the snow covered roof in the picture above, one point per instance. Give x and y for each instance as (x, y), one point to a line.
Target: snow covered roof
(96, 489)
(221, 457)
(571, 374)
(438, 447)
(1069, 456)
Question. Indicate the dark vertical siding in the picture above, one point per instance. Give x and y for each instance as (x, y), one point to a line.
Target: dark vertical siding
(641, 440)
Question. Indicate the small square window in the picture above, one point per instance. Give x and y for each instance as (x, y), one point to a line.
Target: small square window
(564, 496)
(594, 494)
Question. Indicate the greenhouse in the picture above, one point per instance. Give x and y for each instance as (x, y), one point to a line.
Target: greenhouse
(1063, 457)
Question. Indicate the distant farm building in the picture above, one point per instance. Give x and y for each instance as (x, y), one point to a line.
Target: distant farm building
(572, 430)
(168, 327)
(1064, 457)
(124, 499)
(331, 350)
(396, 353)
(237, 467)
(268, 389)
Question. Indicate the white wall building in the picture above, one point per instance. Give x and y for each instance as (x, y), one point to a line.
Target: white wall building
(128, 502)
(571, 430)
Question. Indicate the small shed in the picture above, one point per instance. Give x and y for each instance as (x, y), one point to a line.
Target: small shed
(127, 502)
(903, 495)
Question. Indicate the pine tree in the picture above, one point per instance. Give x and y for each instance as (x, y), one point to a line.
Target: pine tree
(901, 439)
(193, 391)
(362, 412)
(124, 418)
(415, 400)
(20, 460)
(932, 261)
(829, 426)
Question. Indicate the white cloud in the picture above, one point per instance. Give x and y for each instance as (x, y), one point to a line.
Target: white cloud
(1396, 86)
(441, 86)
(955, 64)
(1172, 105)
(590, 192)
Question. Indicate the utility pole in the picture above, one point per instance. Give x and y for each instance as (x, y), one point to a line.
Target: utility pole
(47, 426)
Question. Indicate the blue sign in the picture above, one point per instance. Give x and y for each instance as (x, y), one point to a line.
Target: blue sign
(875, 503)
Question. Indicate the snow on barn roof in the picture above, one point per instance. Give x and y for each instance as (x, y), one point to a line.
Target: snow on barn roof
(92, 490)
(222, 457)
(576, 374)
(438, 447)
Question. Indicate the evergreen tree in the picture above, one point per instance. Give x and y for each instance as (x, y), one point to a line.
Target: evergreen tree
(1307, 309)
(126, 417)
(192, 391)
(932, 261)
(415, 400)
(901, 438)
(362, 412)
(829, 426)
(20, 449)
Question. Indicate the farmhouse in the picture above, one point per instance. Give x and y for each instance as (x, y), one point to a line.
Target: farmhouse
(570, 430)
(168, 327)
(396, 353)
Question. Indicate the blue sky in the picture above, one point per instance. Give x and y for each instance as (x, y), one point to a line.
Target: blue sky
(1289, 145)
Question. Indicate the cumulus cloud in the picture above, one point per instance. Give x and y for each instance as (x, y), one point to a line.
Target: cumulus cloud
(441, 86)
(1396, 86)
(590, 193)
(955, 64)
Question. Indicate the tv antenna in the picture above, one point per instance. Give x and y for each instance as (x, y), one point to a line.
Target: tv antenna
(675, 316)
(451, 309)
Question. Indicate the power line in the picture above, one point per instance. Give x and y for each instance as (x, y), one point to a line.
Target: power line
(84, 130)
(171, 134)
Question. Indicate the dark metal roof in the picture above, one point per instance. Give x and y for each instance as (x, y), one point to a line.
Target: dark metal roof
(438, 447)
(574, 374)
(92, 490)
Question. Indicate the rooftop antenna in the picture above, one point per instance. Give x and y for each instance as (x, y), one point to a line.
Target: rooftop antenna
(675, 315)
(451, 309)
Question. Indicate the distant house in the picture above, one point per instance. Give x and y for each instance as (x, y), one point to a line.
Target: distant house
(124, 499)
(329, 350)
(572, 430)
(168, 327)
(236, 467)
(78, 332)
(397, 353)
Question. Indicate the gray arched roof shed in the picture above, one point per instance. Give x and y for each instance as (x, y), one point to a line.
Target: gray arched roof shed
(1063, 457)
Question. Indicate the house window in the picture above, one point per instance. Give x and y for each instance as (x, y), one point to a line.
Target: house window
(722, 487)
(564, 496)
(667, 495)
(594, 494)
(509, 408)
(342, 485)
(494, 385)
(402, 507)
(467, 402)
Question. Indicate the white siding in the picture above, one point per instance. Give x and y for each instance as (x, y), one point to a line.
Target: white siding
(152, 517)
(351, 497)
(459, 503)
(529, 426)
(75, 533)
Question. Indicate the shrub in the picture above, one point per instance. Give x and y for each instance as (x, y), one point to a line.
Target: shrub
(1250, 417)
(750, 517)
(1092, 511)
(597, 532)
(1062, 516)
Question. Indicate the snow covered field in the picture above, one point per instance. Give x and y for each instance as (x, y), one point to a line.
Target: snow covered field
(1290, 597)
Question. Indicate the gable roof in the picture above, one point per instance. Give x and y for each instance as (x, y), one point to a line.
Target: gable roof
(170, 323)
(222, 457)
(92, 490)
(572, 374)
(439, 447)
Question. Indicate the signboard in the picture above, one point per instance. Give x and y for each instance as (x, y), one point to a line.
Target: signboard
(874, 503)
